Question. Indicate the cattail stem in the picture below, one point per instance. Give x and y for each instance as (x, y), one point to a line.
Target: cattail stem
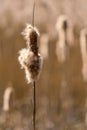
(34, 107)
(33, 13)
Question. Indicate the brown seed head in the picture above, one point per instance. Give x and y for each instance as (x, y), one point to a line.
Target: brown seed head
(29, 58)
(31, 35)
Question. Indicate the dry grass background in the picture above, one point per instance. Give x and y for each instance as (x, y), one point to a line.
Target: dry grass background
(61, 91)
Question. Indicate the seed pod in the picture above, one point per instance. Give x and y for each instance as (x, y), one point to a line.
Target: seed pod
(29, 57)
(30, 34)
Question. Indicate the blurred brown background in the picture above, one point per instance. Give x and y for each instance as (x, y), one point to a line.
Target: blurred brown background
(61, 89)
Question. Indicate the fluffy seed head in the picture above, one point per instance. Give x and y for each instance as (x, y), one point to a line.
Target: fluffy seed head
(7, 98)
(62, 22)
(33, 69)
(31, 63)
(29, 58)
(61, 27)
(28, 31)
(31, 35)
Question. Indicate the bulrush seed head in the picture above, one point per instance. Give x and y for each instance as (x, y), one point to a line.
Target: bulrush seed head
(33, 69)
(61, 26)
(29, 58)
(83, 49)
(30, 32)
(62, 22)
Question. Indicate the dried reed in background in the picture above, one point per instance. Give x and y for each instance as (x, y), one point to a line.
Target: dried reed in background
(44, 46)
(65, 37)
(83, 48)
(7, 98)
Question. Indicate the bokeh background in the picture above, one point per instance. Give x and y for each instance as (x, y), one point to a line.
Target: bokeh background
(61, 89)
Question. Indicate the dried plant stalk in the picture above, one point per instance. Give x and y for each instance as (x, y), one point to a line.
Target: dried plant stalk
(31, 61)
(44, 40)
(61, 27)
(29, 58)
(34, 111)
(65, 37)
(7, 98)
(83, 48)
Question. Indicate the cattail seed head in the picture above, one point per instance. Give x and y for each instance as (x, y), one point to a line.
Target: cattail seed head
(65, 38)
(29, 57)
(83, 44)
(30, 34)
(62, 23)
(33, 69)
(83, 48)
(61, 27)
(31, 63)
(7, 98)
